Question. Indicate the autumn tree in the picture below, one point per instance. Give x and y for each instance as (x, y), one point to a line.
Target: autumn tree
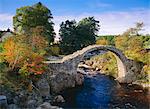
(135, 30)
(14, 52)
(28, 17)
(20, 52)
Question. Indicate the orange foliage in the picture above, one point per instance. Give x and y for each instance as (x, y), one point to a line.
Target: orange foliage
(15, 52)
(35, 64)
(19, 53)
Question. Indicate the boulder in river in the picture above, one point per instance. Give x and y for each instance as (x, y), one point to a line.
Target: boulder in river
(59, 99)
(47, 105)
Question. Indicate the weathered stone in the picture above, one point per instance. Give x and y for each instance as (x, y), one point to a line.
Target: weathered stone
(47, 105)
(59, 99)
(43, 87)
(21, 99)
(29, 100)
(79, 79)
(3, 102)
(62, 81)
(31, 104)
(13, 106)
(79, 70)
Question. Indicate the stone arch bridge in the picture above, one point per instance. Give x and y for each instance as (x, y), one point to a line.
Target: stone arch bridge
(127, 69)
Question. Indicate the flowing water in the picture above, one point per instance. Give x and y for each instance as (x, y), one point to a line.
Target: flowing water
(103, 92)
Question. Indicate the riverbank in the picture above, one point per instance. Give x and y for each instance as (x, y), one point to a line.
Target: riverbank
(102, 91)
(90, 67)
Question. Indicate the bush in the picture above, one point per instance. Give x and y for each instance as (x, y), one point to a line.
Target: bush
(109, 38)
(102, 42)
(54, 49)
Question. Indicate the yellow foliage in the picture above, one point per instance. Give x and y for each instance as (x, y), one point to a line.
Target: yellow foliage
(121, 42)
(14, 52)
(19, 53)
(55, 50)
(102, 42)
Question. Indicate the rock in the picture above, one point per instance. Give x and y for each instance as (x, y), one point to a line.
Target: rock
(97, 69)
(79, 70)
(25, 99)
(21, 99)
(79, 79)
(129, 106)
(47, 105)
(62, 81)
(43, 87)
(59, 99)
(84, 66)
(13, 106)
(3, 102)
(31, 104)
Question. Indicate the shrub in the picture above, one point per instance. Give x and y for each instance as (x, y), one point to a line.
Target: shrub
(54, 49)
(102, 41)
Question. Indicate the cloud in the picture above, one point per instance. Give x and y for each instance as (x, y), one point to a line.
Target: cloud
(112, 22)
(5, 21)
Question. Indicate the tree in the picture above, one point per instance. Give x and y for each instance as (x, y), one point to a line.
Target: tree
(134, 31)
(75, 36)
(24, 54)
(86, 31)
(14, 52)
(32, 16)
(68, 36)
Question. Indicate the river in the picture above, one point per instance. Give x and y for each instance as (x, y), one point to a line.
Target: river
(103, 92)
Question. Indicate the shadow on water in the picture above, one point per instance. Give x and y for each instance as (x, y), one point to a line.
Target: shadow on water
(103, 92)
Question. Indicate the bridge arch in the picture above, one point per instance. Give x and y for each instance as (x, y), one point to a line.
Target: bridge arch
(75, 58)
(127, 69)
(120, 57)
(62, 73)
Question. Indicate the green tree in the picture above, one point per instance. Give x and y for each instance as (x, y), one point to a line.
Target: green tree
(28, 17)
(75, 36)
(68, 36)
(86, 31)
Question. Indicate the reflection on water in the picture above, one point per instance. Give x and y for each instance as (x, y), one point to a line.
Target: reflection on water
(103, 92)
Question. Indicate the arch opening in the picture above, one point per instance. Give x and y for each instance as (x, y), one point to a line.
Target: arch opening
(119, 56)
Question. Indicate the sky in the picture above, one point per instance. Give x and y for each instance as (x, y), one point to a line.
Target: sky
(115, 16)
